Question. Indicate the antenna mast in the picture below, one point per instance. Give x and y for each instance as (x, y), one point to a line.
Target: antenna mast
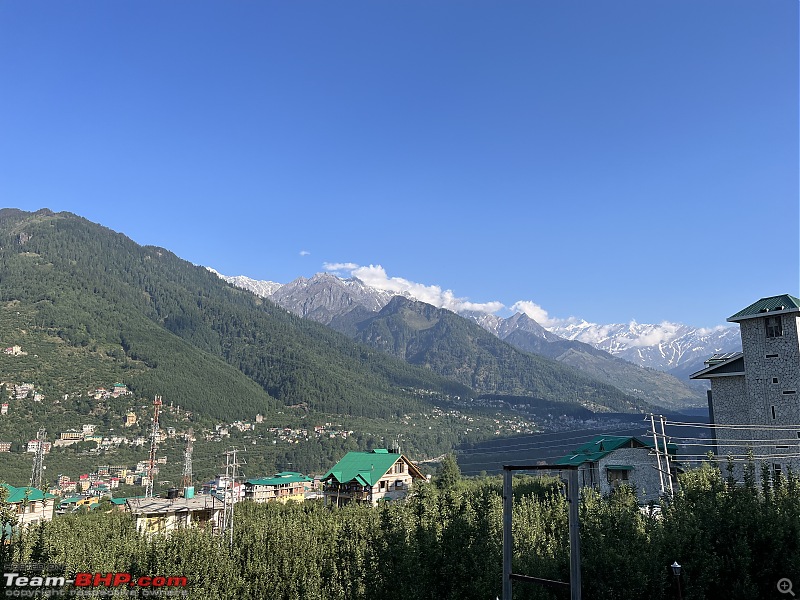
(153, 448)
(38, 459)
(186, 480)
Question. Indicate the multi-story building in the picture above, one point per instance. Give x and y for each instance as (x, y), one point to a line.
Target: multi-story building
(369, 477)
(164, 515)
(283, 487)
(33, 446)
(753, 401)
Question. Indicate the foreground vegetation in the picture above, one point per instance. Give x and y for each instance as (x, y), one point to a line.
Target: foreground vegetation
(733, 542)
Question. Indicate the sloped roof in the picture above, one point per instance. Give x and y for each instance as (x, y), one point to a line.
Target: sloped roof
(603, 445)
(721, 365)
(20, 494)
(366, 468)
(772, 304)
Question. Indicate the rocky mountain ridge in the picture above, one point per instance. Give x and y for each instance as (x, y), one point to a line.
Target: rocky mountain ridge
(344, 304)
(664, 346)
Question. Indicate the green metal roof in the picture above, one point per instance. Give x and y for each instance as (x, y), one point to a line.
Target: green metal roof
(767, 305)
(20, 494)
(366, 468)
(603, 445)
(281, 478)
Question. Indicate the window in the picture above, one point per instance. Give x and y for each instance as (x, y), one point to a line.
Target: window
(774, 380)
(771, 356)
(617, 476)
(773, 412)
(774, 327)
(789, 392)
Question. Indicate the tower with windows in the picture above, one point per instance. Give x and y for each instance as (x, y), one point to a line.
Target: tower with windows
(753, 401)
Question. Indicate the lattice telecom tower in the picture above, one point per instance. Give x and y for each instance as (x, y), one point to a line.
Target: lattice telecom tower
(38, 460)
(148, 491)
(186, 480)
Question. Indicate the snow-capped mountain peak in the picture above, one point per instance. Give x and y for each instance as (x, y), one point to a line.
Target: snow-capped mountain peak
(664, 346)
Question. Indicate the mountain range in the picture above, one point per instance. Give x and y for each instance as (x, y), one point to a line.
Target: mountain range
(651, 361)
(90, 306)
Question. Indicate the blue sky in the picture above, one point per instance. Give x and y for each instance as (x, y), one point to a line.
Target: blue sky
(610, 160)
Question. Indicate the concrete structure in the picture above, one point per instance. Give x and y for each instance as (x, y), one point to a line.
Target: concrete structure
(164, 515)
(369, 477)
(284, 487)
(608, 461)
(753, 402)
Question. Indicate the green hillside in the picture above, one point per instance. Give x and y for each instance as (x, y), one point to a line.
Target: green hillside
(461, 350)
(91, 307)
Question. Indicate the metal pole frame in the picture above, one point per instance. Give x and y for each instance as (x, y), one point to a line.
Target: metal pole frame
(573, 497)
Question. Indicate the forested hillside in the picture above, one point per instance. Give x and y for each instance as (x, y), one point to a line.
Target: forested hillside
(460, 350)
(165, 326)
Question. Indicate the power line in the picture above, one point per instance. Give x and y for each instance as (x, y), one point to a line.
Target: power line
(745, 426)
(555, 443)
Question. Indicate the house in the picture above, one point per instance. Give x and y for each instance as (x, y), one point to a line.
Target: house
(608, 461)
(753, 401)
(33, 446)
(71, 435)
(369, 477)
(75, 503)
(22, 391)
(30, 505)
(120, 389)
(283, 487)
(164, 515)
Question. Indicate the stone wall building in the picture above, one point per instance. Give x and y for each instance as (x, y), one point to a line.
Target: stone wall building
(608, 461)
(753, 402)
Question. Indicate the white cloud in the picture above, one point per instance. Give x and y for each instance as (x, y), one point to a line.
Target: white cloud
(536, 312)
(376, 276)
(339, 269)
(304, 253)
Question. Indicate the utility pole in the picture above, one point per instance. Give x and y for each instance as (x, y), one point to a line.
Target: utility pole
(38, 459)
(148, 492)
(231, 472)
(658, 454)
(666, 456)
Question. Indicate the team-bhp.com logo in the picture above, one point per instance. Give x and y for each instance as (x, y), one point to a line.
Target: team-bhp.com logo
(18, 584)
